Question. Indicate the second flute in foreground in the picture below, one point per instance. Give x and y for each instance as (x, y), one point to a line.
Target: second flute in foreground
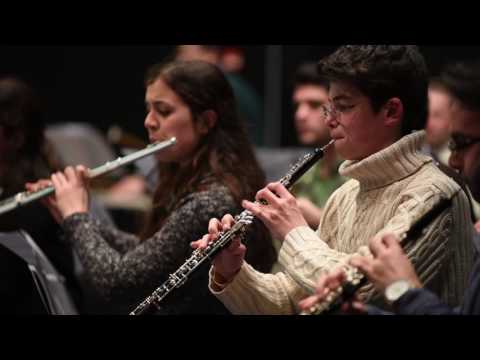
(26, 197)
(200, 256)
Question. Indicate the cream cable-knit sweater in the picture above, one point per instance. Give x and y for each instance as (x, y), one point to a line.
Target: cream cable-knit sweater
(389, 191)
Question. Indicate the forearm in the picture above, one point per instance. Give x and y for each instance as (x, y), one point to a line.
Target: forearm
(254, 293)
(441, 253)
(117, 239)
(115, 274)
(103, 263)
(305, 257)
(442, 257)
(147, 264)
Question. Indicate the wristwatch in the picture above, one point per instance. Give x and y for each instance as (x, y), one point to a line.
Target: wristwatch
(394, 291)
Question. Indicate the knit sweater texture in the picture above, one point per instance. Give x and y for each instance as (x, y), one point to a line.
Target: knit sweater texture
(389, 191)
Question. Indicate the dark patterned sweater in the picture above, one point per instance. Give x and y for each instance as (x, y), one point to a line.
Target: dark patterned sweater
(126, 270)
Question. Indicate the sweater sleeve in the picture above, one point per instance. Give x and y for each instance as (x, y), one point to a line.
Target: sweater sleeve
(255, 293)
(424, 302)
(442, 251)
(119, 240)
(305, 256)
(136, 272)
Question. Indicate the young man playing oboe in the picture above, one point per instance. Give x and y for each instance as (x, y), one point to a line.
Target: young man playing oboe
(378, 97)
(389, 269)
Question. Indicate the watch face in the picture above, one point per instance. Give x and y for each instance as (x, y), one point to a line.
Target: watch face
(394, 291)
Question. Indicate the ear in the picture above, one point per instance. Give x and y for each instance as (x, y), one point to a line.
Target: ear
(208, 119)
(393, 112)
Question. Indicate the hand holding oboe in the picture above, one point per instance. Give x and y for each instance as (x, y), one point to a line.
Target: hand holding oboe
(279, 211)
(217, 244)
(228, 261)
(274, 206)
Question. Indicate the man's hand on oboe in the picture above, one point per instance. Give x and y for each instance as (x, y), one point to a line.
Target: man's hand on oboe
(281, 214)
(228, 261)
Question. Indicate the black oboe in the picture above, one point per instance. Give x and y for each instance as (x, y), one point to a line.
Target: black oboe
(151, 304)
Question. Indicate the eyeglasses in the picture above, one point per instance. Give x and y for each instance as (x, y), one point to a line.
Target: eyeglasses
(330, 110)
(461, 142)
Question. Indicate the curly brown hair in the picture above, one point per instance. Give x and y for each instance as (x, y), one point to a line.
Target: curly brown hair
(382, 72)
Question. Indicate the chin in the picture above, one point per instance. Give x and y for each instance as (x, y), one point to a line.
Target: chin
(345, 153)
(163, 158)
(308, 141)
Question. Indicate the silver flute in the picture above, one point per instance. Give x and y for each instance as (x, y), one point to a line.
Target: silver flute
(152, 303)
(27, 197)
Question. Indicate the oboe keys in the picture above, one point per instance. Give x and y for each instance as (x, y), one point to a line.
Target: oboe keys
(175, 280)
(246, 219)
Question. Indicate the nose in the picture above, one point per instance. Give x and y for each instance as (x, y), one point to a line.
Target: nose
(456, 161)
(301, 113)
(331, 120)
(150, 122)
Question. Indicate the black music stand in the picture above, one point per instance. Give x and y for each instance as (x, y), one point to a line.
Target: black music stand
(32, 284)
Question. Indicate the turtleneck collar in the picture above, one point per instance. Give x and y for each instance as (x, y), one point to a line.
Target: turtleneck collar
(389, 165)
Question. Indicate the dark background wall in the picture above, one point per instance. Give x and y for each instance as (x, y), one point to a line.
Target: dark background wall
(103, 85)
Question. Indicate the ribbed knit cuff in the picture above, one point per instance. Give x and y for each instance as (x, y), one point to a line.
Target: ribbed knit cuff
(242, 276)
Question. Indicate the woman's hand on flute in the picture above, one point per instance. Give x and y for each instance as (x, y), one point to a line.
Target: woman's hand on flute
(71, 192)
(49, 202)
